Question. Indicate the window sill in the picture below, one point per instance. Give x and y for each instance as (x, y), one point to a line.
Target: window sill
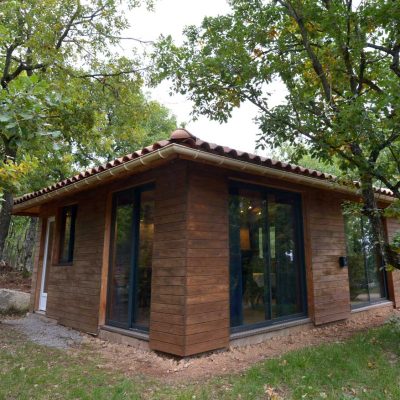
(270, 328)
(127, 332)
(61, 264)
(378, 304)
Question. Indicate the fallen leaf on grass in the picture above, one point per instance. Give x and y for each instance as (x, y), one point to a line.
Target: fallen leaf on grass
(271, 393)
(371, 364)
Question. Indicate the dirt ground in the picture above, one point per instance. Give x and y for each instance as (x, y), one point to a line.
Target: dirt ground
(10, 279)
(133, 362)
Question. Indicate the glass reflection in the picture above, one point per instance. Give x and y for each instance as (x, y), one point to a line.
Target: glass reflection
(67, 234)
(265, 269)
(366, 280)
(285, 271)
(121, 258)
(146, 233)
(251, 210)
(131, 259)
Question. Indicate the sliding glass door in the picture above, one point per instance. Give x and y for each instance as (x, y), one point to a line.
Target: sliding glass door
(129, 281)
(267, 279)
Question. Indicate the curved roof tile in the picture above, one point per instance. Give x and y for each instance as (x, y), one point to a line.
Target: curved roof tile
(185, 138)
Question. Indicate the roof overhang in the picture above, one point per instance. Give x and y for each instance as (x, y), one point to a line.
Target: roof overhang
(174, 150)
(140, 164)
(251, 168)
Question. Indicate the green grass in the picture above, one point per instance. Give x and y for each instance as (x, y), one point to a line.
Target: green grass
(29, 371)
(365, 367)
(13, 312)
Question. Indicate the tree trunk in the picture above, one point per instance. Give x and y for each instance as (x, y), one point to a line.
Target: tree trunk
(10, 152)
(5, 219)
(374, 215)
(29, 244)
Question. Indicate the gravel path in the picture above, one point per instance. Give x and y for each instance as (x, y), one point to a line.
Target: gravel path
(45, 332)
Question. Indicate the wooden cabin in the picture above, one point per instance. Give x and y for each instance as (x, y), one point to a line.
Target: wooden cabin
(186, 247)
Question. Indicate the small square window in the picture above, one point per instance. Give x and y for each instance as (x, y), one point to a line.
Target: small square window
(67, 234)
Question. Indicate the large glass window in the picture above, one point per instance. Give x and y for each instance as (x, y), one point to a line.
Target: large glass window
(145, 255)
(67, 234)
(266, 261)
(131, 258)
(366, 278)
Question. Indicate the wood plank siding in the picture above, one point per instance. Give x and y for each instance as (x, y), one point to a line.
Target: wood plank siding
(190, 276)
(207, 290)
(77, 292)
(330, 291)
(74, 290)
(167, 320)
(190, 293)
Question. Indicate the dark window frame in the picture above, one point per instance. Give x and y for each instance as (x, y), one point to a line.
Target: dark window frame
(234, 187)
(71, 242)
(369, 302)
(133, 277)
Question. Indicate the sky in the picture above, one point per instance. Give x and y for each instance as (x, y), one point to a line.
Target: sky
(170, 18)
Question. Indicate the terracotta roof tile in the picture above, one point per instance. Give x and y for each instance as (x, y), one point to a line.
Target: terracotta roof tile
(185, 138)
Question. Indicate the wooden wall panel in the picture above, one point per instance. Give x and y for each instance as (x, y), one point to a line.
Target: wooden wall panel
(207, 280)
(190, 292)
(305, 197)
(77, 292)
(330, 283)
(74, 290)
(168, 304)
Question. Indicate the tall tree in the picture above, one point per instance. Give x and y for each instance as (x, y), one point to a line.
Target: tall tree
(340, 64)
(115, 119)
(64, 88)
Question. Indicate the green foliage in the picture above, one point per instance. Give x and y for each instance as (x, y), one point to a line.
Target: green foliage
(393, 210)
(396, 240)
(27, 106)
(67, 99)
(19, 248)
(97, 124)
(395, 245)
(339, 63)
(12, 174)
(24, 107)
